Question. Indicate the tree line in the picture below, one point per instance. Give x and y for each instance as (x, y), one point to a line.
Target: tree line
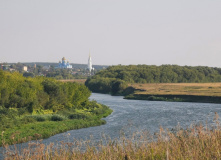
(39, 93)
(114, 78)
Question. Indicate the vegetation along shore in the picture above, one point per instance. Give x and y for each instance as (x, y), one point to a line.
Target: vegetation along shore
(35, 108)
(159, 83)
(195, 142)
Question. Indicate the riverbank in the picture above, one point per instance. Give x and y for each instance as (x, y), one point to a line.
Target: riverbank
(196, 142)
(175, 98)
(33, 127)
(39, 107)
(176, 92)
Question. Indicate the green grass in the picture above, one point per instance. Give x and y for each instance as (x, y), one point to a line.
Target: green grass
(31, 127)
(39, 130)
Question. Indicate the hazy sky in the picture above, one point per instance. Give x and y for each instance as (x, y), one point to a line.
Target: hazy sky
(183, 32)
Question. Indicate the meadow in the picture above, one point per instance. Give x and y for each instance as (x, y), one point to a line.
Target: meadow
(176, 92)
(197, 89)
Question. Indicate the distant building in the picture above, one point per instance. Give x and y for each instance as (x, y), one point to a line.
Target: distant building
(5, 66)
(64, 64)
(89, 66)
(46, 68)
(25, 68)
(12, 69)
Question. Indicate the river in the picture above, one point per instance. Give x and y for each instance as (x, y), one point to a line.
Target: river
(136, 115)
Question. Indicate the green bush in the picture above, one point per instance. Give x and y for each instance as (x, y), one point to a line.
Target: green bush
(154, 98)
(57, 117)
(39, 118)
(77, 116)
(27, 120)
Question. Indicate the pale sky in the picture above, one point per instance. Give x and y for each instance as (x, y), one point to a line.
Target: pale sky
(152, 32)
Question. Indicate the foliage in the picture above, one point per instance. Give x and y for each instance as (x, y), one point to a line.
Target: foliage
(62, 74)
(77, 116)
(39, 93)
(106, 85)
(57, 117)
(115, 78)
(34, 102)
(39, 118)
(37, 106)
(46, 125)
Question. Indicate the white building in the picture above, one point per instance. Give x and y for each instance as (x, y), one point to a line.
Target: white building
(89, 66)
(25, 68)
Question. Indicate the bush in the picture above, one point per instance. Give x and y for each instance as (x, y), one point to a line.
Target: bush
(153, 98)
(77, 116)
(39, 118)
(57, 117)
(29, 119)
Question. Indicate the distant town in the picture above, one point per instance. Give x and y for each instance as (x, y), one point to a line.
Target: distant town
(61, 70)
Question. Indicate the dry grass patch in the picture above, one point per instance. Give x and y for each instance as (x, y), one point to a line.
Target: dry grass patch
(199, 89)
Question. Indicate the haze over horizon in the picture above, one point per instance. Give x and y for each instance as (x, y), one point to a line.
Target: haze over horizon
(115, 31)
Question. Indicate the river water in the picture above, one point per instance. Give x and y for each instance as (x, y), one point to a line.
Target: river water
(136, 115)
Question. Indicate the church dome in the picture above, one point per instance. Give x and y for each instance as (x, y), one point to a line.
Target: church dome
(63, 59)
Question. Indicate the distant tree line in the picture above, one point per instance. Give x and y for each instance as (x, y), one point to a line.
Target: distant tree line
(64, 74)
(114, 78)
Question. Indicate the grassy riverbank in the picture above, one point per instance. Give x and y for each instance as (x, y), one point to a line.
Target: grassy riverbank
(196, 142)
(179, 92)
(32, 127)
(39, 107)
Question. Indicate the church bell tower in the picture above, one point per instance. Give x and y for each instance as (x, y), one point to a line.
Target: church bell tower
(89, 66)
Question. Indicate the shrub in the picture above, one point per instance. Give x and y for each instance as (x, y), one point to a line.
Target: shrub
(153, 98)
(57, 117)
(29, 119)
(39, 118)
(77, 116)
